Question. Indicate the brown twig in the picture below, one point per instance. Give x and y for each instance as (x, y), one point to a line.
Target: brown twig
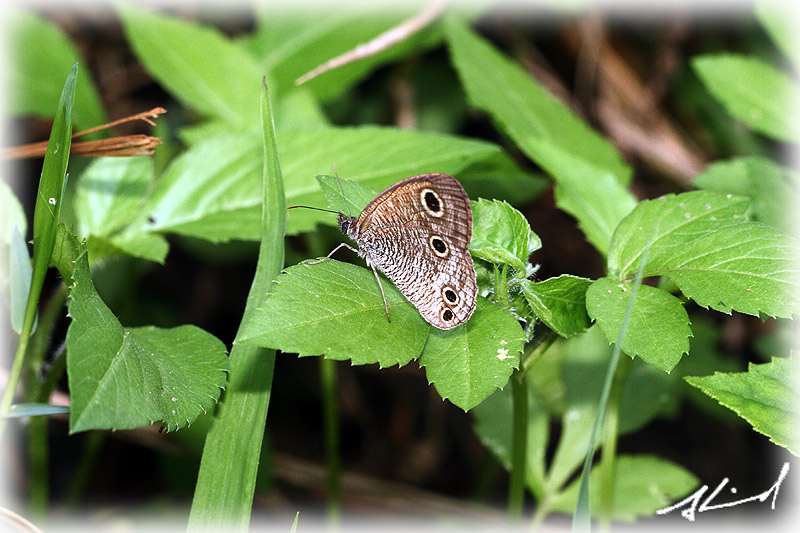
(383, 41)
(123, 145)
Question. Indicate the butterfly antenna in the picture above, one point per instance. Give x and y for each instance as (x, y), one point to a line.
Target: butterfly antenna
(314, 208)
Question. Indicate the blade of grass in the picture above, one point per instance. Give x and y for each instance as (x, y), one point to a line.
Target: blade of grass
(45, 221)
(581, 518)
(223, 497)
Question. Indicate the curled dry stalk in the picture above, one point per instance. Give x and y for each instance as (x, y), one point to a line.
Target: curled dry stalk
(122, 145)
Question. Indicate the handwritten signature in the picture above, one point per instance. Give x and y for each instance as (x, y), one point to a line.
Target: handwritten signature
(694, 504)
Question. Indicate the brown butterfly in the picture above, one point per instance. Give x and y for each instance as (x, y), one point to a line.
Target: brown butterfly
(416, 232)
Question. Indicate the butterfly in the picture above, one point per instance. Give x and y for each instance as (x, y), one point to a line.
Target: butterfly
(416, 232)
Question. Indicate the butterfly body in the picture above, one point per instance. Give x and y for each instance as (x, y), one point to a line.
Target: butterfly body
(416, 232)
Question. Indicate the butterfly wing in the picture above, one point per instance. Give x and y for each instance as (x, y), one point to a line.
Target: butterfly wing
(416, 232)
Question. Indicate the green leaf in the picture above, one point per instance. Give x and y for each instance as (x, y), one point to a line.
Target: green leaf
(467, 363)
(20, 272)
(641, 486)
(658, 330)
(590, 174)
(501, 235)
(559, 302)
(110, 194)
(771, 187)
(66, 251)
(336, 309)
(50, 196)
(121, 378)
(704, 243)
(751, 90)
(226, 482)
(293, 43)
(522, 107)
(208, 191)
(777, 21)
(38, 50)
(345, 196)
(198, 65)
(595, 197)
(766, 396)
(24, 410)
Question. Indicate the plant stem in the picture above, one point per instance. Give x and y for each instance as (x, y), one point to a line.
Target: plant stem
(608, 458)
(519, 445)
(330, 423)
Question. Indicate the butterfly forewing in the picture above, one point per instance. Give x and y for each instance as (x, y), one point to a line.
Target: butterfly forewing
(416, 232)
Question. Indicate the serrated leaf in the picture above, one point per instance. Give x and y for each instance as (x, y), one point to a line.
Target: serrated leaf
(66, 251)
(197, 64)
(121, 378)
(523, 108)
(559, 302)
(751, 90)
(336, 309)
(704, 243)
(207, 192)
(658, 330)
(766, 396)
(467, 363)
(642, 484)
(501, 235)
(770, 186)
(37, 49)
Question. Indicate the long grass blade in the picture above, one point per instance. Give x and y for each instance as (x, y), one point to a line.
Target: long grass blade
(223, 496)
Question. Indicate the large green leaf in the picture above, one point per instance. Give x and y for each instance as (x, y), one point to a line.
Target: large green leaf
(588, 171)
(751, 90)
(766, 396)
(121, 378)
(39, 52)
(294, 42)
(208, 191)
(198, 65)
(109, 197)
(336, 309)
(705, 244)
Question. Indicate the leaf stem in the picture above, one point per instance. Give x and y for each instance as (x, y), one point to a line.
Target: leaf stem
(519, 445)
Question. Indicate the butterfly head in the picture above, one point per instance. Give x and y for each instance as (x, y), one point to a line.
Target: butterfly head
(347, 224)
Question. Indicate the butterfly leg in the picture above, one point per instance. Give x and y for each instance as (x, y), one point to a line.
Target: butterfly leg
(380, 286)
(332, 252)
